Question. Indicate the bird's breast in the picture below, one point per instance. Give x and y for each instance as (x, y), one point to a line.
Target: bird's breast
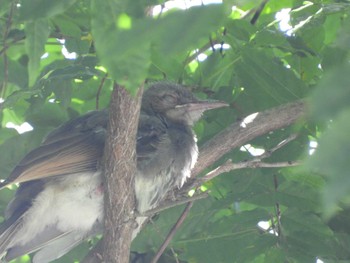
(167, 168)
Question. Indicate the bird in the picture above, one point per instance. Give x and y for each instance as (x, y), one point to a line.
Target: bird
(59, 201)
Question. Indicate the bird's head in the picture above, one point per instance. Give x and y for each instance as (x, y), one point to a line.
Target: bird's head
(176, 103)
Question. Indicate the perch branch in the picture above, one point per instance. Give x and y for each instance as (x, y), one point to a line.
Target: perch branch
(240, 133)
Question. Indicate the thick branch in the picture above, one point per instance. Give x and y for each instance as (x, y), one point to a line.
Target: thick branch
(120, 167)
(240, 133)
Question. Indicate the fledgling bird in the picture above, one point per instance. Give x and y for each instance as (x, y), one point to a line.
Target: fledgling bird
(59, 202)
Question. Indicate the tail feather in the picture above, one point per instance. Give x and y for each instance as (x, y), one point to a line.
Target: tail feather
(8, 231)
(38, 242)
(51, 244)
(57, 248)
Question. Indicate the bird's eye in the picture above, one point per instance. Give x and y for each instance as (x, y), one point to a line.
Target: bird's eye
(169, 98)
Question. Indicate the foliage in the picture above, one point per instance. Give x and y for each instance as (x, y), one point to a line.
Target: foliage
(252, 66)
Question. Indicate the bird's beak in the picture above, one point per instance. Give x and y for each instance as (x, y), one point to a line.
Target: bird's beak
(192, 111)
(203, 105)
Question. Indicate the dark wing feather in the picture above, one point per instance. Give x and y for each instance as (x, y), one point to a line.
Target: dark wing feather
(150, 132)
(76, 146)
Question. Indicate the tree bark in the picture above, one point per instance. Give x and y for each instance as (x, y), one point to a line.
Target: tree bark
(120, 167)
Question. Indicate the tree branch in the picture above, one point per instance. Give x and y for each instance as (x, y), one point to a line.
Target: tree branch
(172, 232)
(120, 167)
(251, 127)
(166, 204)
(98, 93)
(254, 163)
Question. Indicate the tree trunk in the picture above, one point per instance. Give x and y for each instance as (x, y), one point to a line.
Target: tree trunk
(120, 167)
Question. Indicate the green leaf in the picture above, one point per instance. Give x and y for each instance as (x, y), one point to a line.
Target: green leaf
(333, 56)
(215, 71)
(332, 95)
(275, 254)
(130, 59)
(307, 233)
(66, 26)
(268, 79)
(63, 91)
(37, 33)
(291, 194)
(240, 231)
(5, 6)
(123, 52)
(240, 30)
(77, 71)
(17, 73)
(34, 9)
(16, 96)
(173, 66)
(11, 116)
(331, 160)
(47, 115)
(187, 28)
(14, 148)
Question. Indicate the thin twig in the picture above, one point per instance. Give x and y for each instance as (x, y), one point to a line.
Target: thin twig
(175, 256)
(278, 210)
(156, 228)
(6, 74)
(254, 163)
(229, 166)
(169, 204)
(278, 146)
(258, 12)
(6, 46)
(7, 30)
(172, 232)
(99, 91)
(208, 45)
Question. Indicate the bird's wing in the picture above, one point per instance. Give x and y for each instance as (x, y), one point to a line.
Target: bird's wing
(74, 147)
(150, 133)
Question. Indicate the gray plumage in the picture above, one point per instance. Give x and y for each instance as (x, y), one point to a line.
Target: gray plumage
(60, 199)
